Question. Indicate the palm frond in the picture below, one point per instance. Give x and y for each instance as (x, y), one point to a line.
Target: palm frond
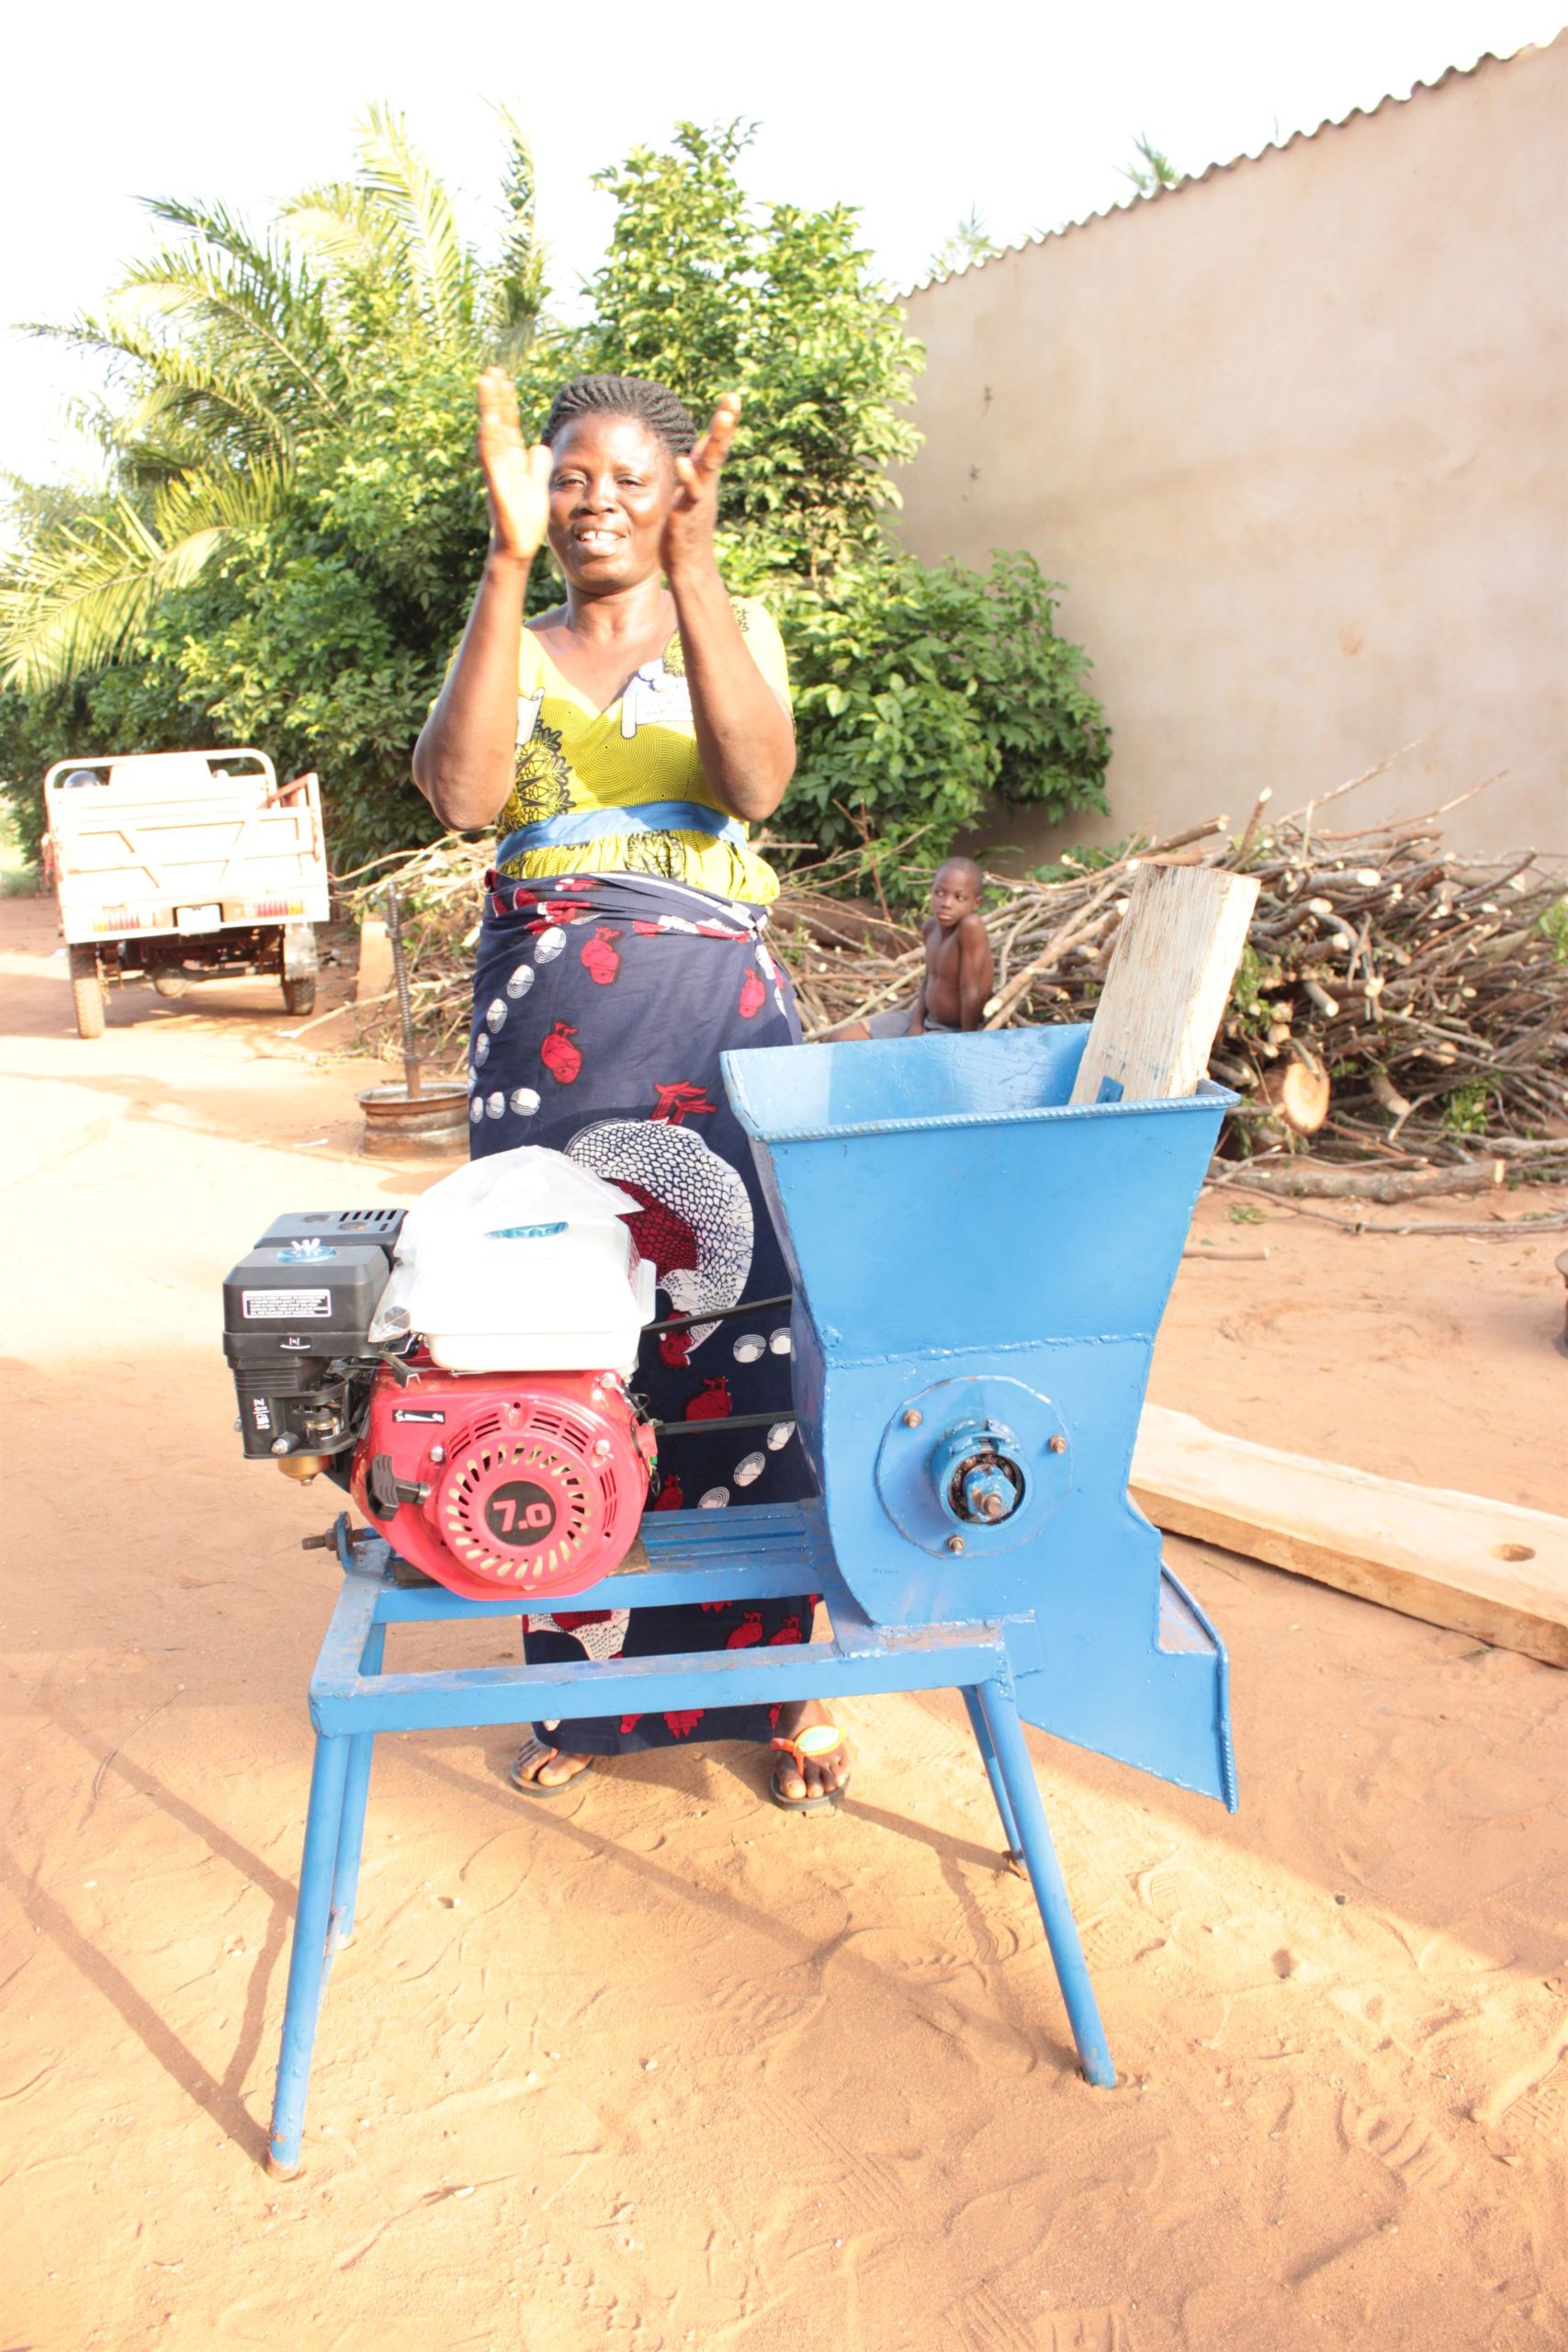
(194, 398)
(189, 402)
(271, 276)
(394, 171)
(36, 509)
(342, 225)
(518, 291)
(86, 590)
(258, 319)
(201, 500)
(90, 584)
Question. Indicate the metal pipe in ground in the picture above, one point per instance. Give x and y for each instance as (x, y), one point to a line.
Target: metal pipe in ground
(417, 1116)
(405, 1005)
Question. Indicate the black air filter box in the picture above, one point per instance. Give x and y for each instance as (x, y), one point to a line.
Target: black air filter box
(296, 1323)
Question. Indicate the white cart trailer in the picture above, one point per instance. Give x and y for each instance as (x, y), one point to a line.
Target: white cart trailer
(176, 866)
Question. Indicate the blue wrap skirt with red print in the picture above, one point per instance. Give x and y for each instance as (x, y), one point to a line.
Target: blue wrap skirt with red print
(602, 1004)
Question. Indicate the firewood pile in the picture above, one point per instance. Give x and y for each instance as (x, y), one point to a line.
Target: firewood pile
(1397, 1002)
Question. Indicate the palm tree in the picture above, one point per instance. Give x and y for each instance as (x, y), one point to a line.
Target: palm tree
(232, 351)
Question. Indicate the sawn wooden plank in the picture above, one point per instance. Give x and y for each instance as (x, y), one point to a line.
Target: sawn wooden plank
(1488, 1568)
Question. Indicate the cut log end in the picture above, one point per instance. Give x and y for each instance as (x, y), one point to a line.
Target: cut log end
(1299, 1093)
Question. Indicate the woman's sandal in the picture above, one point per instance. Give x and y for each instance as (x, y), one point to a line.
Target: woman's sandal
(813, 1740)
(530, 1748)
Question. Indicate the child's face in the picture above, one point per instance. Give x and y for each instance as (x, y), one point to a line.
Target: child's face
(953, 895)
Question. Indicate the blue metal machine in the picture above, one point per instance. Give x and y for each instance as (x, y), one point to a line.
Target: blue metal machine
(980, 1271)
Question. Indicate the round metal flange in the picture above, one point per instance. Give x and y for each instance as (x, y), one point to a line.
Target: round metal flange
(929, 1436)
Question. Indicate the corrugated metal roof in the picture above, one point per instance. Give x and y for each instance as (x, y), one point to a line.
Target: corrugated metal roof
(1270, 147)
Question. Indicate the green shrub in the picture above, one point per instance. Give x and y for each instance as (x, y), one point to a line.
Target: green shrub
(922, 691)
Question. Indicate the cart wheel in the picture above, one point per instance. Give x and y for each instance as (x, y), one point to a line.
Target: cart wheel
(170, 983)
(299, 995)
(86, 991)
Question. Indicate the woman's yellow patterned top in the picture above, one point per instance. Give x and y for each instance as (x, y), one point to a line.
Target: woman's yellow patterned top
(623, 788)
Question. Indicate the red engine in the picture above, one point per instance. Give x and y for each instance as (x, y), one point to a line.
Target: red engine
(504, 1483)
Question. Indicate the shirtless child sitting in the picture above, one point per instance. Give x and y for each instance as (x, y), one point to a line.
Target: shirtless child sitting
(959, 969)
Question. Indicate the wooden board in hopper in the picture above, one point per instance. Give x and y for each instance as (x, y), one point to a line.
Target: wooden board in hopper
(1170, 975)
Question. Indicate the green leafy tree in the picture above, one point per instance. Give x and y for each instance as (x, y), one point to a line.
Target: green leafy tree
(709, 292)
(295, 520)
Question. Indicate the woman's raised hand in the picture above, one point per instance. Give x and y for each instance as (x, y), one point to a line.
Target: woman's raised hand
(689, 530)
(517, 477)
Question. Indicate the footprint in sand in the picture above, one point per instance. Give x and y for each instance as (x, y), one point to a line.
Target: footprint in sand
(750, 2017)
(1104, 2330)
(1539, 2087)
(1411, 2151)
(1546, 2107)
(987, 2318)
(1118, 1937)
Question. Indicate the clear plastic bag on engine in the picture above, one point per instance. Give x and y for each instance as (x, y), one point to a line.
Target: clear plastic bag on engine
(521, 1262)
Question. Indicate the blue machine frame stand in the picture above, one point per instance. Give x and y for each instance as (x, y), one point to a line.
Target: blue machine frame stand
(687, 1555)
(979, 1268)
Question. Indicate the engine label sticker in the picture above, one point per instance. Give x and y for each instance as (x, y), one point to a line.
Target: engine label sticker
(276, 1305)
(407, 1413)
(520, 1513)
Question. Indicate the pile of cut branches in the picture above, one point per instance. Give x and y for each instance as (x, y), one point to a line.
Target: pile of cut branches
(1397, 1002)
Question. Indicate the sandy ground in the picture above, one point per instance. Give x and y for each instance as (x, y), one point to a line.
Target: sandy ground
(662, 2066)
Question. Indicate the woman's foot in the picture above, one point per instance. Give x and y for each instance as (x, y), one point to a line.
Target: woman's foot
(815, 1778)
(539, 1770)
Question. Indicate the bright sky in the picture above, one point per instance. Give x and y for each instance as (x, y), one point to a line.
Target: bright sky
(915, 113)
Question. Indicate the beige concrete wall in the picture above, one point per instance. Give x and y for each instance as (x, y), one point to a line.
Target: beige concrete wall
(1296, 437)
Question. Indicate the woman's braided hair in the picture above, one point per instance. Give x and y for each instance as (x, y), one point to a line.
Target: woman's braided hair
(651, 404)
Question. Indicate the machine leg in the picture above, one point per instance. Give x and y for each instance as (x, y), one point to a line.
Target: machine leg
(351, 1833)
(1050, 1889)
(307, 1961)
(989, 1758)
(350, 1839)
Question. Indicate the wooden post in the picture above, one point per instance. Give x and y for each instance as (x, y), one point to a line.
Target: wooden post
(1170, 974)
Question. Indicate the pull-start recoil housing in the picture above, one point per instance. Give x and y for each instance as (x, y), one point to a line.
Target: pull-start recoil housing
(532, 1483)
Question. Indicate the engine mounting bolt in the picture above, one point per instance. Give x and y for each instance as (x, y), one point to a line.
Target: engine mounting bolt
(438, 1454)
(955, 1542)
(1056, 1445)
(281, 1444)
(913, 1417)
